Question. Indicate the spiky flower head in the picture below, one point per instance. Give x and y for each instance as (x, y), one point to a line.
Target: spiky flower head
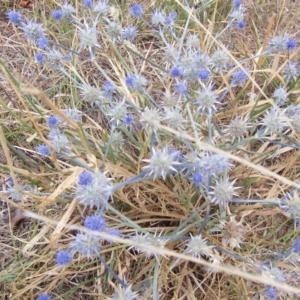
(193, 41)
(129, 33)
(280, 96)
(291, 71)
(95, 222)
(42, 42)
(124, 293)
(206, 100)
(33, 30)
(237, 128)
(233, 233)
(169, 20)
(59, 141)
(215, 164)
(136, 10)
(55, 58)
(197, 246)
(14, 17)
(278, 44)
(181, 88)
(91, 94)
(148, 240)
(291, 205)
(274, 273)
(88, 37)
(291, 44)
(114, 30)
(63, 257)
(73, 114)
(43, 150)
(273, 122)
(57, 14)
(158, 18)
(96, 192)
(237, 14)
(239, 78)
(161, 163)
(44, 297)
(197, 178)
(116, 113)
(52, 121)
(203, 74)
(150, 119)
(86, 244)
(271, 293)
(223, 192)
(68, 10)
(219, 60)
(175, 119)
(136, 82)
(88, 3)
(101, 7)
(116, 140)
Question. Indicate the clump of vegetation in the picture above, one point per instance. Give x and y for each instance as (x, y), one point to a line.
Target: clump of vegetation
(149, 151)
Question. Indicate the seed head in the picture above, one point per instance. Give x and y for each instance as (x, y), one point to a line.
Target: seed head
(63, 257)
(161, 163)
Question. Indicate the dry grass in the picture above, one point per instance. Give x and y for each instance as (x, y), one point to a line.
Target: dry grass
(28, 244)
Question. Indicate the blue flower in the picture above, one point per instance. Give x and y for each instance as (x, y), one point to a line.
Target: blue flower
(176, 72)
(52, 122)
(291, 44)
(271, 293)
(241, 24)
(95, 223)
(136, 10)
(236, 3)
(239, 78)
(129, 33)
(203, 74)
(88, 3)
(128, 119)
(40, 58)
(44, 297)
(63, 257)
(181, 88)
(85, 178)
(42, 42)
(296, 246)
(197, 178)
(14, 17)
(108, 88)
(43, 150)
(130, 81)
(57, 14)
(170, 18)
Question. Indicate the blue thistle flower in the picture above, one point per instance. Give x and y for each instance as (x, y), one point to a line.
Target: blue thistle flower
(197, 178)
(271, 293)
(170, 18)
(176, 72)
(236, 3)
(63, 257)
(291, 44)
(43, 150)
(14, 17)
(88, 3)
(108, 89)
(128, 119)
(57, 14)
(85, 178)
(44, 297)
(129, 33)
(42, 42)
(95, 222)
(181, 88)
(114, 232)
(33, 30)
(239, 78)
(203, 74)
(40, 58)
(52, 122)
(136, 10)
(296, 246)
(241, 24)
(130, 81)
